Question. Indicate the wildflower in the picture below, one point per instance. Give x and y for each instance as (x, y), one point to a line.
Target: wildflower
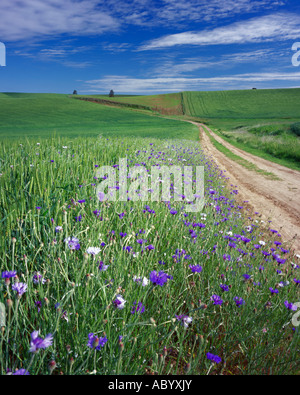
(96, 342)
(216, 299)
(184, 319)
(195, 268)
(38, 278)
(159, 278)
(21, 372)
(238, 301)
(37, 342)
(213, 358)
(143, 280)
(290, 306)
(102, 267)
(224, 287)
(246, 276)
(150, 247)
(101, 196)
(20, 288)
(38, 305)
(93, 250)
(273, 291)
(9, 274)
(58, 229)
(73, 243)
(119, 302)
(137, 308)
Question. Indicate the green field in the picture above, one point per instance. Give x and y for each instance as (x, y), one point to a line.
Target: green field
(230, 109)
(43, 115)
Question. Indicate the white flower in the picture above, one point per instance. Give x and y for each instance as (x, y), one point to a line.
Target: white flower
(119, 302)
(143, 280)
(262, 243)
(93, 250)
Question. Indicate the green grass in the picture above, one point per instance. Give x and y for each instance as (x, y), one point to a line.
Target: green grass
(279, 104)
(243, 162)
(44, 115)
(274, 144)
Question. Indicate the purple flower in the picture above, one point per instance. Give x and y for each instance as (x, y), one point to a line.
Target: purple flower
(73, 243)
(290, 306)
(159, 278)
(21, 372)
(216, 299)
(96, 342)
(238, 301)
(102, 267)
(20, 288)
(273, 291)
(213, 358)
(9, 274)
(38, 278)
(137, 308)
(195, 268)
(37, 342)
(119, 302)
(150, 247)
(246, 276)
(224, 287)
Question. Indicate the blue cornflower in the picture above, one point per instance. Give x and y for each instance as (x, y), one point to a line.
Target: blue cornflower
(216, 299)
(9, 274)
(137, 308)
(238, 301)
(20, 288)
(95, 342)
(195, 268)
(37, 342)
(213, 358)
(159, 278)
(224, 287)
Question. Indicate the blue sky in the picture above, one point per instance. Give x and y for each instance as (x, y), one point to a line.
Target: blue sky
(148, 46)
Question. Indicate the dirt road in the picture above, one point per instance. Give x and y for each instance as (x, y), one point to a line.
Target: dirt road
(275, 200)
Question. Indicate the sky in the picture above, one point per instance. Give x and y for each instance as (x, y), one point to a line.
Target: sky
(148, 46)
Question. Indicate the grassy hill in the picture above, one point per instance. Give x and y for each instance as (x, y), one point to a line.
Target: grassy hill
(42, 115)
(231, 109)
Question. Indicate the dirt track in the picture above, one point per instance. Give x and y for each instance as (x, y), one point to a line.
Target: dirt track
(275, 200)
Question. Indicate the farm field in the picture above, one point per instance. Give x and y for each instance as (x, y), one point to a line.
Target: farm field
(133, 287)
(257, 121)
(44, 115)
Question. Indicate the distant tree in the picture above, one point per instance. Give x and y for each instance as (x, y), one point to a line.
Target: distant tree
(111, 93)
(75, 92)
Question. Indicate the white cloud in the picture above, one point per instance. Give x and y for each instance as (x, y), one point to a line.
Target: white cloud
(22, 19)
(128, 85)
(39, 19)
(280, 26)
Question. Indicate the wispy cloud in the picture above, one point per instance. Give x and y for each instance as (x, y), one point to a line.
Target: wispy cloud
(129, 85)
(22, 19)
(63, 54)
(274, 27)
(39, 19)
